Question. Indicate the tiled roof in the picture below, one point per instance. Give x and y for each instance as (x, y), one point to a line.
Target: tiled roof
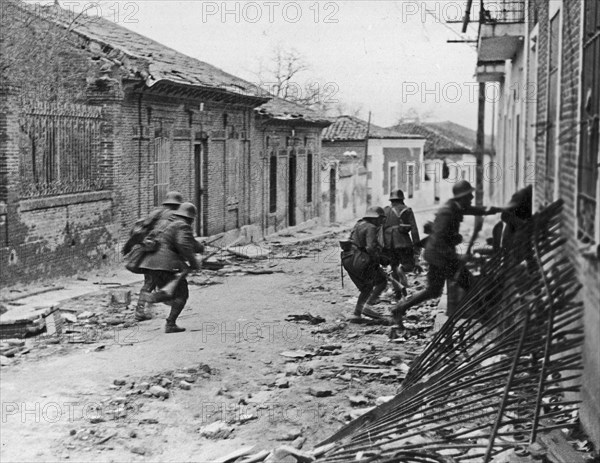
(279, 109)
(443, 137)
(145, 58)
(353, 128)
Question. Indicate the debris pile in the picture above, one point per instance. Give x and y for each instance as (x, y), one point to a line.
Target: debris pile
(496, 376)
(10, 348)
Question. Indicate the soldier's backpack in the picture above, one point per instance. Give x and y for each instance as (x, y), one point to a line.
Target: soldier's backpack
(143, 240)
(140, 231)
(396, 236)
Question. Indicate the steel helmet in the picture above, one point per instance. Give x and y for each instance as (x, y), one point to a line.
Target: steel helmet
(462, 188)
(374, 212)
(173, 197)
(187, 210)
(396, 194)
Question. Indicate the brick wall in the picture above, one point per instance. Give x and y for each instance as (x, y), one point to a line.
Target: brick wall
(589, 276)
(569, 117)
(84, 230)
(588, 268)
(270, 136)
(223, 131)
(66, 233)
(41, 234)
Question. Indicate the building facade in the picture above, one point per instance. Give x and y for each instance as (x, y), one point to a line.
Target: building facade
(449, 156)
(289, 138)
(545, 57)
(344, 181)
(97, 123)
(392, 159)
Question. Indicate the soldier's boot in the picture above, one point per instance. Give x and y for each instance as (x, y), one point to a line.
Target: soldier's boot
(360, 303)
(400, 283)
(171, 326)
(376, 292)
(398, 314)
(140, 310)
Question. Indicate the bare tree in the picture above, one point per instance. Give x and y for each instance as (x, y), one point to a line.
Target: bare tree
(281, 76)
(286, 75)
(412, 114)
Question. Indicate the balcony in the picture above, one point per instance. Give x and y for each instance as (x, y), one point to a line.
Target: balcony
(502, 12)
(501, 30)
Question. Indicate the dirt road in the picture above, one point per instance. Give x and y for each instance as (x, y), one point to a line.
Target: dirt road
(97, 400)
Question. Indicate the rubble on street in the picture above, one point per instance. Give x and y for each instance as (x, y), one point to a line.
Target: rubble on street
(275, 398)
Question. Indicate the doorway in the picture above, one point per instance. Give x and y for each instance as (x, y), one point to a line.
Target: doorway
(199, 193)
(332, 195)
(411, 179)
(292, 190)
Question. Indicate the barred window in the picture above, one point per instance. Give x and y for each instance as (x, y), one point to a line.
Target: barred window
(162, 154)
(553, 95)
(59, 149)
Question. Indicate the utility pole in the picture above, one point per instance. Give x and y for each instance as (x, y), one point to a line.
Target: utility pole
(367, 140)
(368, 198)
(479, 149)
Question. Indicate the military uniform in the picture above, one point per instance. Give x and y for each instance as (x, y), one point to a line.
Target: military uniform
(400, 235)
(361, 262)
(440, 250)
(156, 220)
(175, 253)
(517, 215)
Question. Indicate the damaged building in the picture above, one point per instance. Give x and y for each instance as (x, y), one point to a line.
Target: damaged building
(97, 123)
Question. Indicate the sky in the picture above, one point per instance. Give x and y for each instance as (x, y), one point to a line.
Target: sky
(380, 56)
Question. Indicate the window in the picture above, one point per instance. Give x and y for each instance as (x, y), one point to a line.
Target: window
(551, 121)
(234, 149)
(162, 150)
(309, 177)
(273, 183)
(393, 176)
(531, 100)
(59, 147)
(587, 200)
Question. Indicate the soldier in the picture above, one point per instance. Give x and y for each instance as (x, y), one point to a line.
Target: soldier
(175, 254)
(141, 230)
(440, 250)
(516, 215)
(399, 247)
(361, 260)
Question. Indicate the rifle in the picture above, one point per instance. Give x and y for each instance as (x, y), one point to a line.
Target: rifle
(166, 292)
